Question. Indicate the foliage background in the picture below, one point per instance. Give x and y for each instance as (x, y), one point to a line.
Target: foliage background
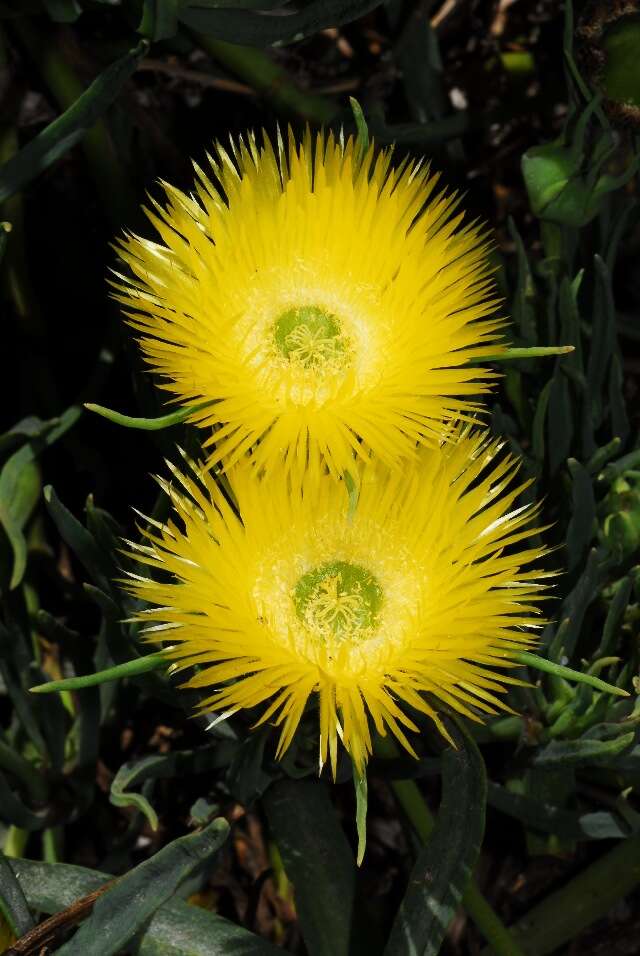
(105, 778)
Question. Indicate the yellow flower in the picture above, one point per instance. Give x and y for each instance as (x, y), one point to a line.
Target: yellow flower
(414, 589)
(322, 304)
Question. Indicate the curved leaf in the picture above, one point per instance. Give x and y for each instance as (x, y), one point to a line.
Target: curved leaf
(317, 860)
(132, 668)
(178, 929)
(146, 424)
(126, 906)
(444, 867)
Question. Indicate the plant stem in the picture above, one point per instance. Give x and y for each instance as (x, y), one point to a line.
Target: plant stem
(52, 839)
(413, 803)
(259, 71)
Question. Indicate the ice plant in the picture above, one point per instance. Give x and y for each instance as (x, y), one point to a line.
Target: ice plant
(413, 589)
(319, 298)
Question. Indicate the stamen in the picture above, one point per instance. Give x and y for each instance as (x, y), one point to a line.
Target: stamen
(338, 600)
(311, 336)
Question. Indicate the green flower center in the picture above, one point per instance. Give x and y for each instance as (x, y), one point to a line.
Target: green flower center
(339, 600)
(311, 336)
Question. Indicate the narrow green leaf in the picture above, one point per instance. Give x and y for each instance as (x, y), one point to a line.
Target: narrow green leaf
(559, 421)
(444, 867)
(549, 818)
(61, 135)
(524, 297)
(78, 538)
(54, 630)
(539, 419)
(581, 526)
(360, 784)
(54, 720)
(425, 135)
(108, 537)
(613, 621)
(586, 752)
(313, 846)
(140, 665)
(616, 468)
(603, 341)
(266, 29)
(87, 731)
(577, 602)
(550, 667)
(13, 905)
(541, 351)
(146, 424)
(269, 78)
(125, 908)
(617, 401)
(111, 610)
(602, 455)
(569, 313)
(177, 929)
